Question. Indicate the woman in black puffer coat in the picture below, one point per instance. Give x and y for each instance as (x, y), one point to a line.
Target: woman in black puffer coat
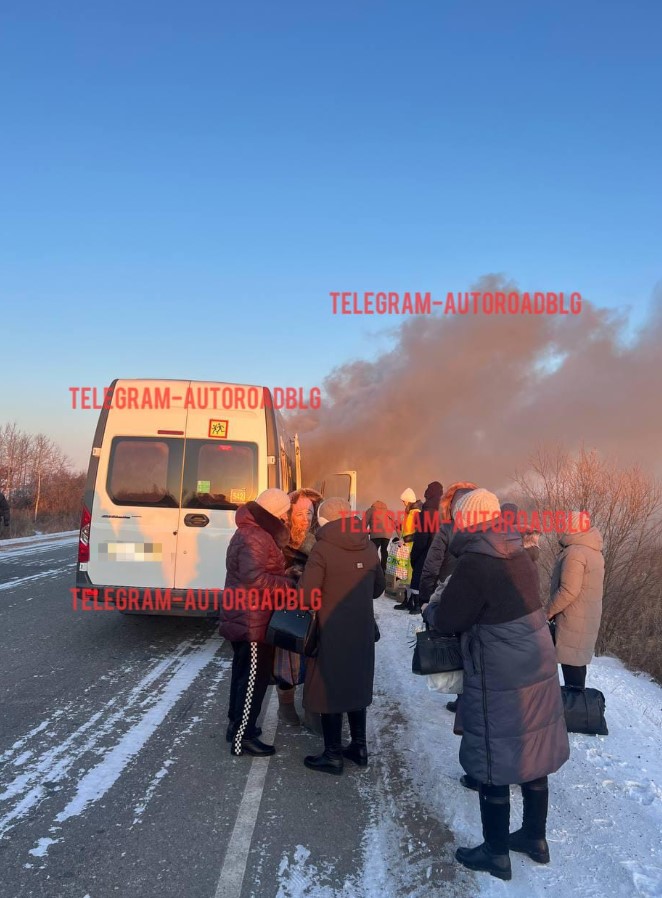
(430, 523)
(254, 561)
(510, 713)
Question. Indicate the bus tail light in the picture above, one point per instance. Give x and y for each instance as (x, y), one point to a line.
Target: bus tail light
(84, 537)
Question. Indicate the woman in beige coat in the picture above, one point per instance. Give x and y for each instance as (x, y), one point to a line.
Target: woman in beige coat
(576, 600)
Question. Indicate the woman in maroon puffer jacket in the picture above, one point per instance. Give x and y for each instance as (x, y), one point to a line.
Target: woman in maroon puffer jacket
(254, 561)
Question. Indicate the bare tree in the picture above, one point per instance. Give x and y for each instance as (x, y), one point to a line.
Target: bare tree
(36, 478)
(625, 504)
(46, 460)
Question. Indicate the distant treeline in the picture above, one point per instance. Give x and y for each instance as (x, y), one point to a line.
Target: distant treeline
(37, 479)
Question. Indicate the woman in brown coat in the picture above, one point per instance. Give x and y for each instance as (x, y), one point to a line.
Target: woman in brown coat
(576, 599)
(344, 565)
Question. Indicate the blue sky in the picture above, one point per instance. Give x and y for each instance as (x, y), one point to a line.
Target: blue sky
(183, 184)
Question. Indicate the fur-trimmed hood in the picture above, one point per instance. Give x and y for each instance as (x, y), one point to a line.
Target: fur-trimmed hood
(253, 515)
(465, 486)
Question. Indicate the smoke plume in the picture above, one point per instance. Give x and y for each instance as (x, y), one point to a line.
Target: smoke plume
(467, 397)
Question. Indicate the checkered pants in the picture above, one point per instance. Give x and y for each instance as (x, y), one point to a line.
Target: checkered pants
(252, 666)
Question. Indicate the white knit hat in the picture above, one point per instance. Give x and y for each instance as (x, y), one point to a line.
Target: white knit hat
(275, 501)
(409, 495)
(477, 507)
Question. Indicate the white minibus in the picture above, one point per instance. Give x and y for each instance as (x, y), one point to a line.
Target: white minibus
(169, 468)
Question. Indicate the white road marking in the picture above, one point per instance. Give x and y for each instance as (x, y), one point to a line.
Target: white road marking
(236, 856)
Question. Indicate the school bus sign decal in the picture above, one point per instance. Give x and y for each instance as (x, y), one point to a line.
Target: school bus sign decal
(218, 429)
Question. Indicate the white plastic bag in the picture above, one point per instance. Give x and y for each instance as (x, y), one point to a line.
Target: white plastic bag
(449, 682)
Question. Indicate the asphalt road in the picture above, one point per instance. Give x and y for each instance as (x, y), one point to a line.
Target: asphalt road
(115, 777)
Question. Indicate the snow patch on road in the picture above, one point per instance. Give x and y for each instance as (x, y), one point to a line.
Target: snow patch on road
(28, 545)
(142, 709)
(18, 745)
(41, 848)
(211, 695)
(100, 778)
(299, 879)
(53, 572)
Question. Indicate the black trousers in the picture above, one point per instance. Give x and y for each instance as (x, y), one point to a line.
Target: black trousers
(574, 676)
(252, 666)
(382, 549)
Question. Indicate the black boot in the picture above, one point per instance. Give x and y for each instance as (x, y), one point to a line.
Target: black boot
(492, 856)
(414, 603)
(251, 746)
(229, 733)
(483, 858)
(452, 706)
(357, 750)
(531, 838)
(537, 849)
(331, 759)
(404, 604)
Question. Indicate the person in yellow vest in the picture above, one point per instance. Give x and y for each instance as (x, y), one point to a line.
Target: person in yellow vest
(410, 524)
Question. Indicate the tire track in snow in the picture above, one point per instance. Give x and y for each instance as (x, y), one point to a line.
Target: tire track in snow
(31, 578)
(10, 550)
(223, 664)
(128, 719)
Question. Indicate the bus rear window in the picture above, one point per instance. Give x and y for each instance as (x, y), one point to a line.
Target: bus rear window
(144, 471)
(219, 475)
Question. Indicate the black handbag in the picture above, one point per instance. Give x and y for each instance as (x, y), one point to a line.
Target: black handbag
(436, 654)
(584, 711)
(295, 631)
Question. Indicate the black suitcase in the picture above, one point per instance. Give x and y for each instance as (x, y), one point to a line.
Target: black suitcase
(584, 711)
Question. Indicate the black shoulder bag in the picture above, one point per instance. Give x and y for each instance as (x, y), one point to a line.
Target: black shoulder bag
(295, 631)
(436, 654)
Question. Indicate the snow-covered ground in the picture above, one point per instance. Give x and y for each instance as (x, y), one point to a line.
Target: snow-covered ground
(605, 820)
(23, 545)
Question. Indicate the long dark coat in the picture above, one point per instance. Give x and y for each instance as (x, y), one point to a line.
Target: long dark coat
(439, 563)
(4, 510)
(254, 560)
(510, 713)
(345, 567)
(429, 526)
